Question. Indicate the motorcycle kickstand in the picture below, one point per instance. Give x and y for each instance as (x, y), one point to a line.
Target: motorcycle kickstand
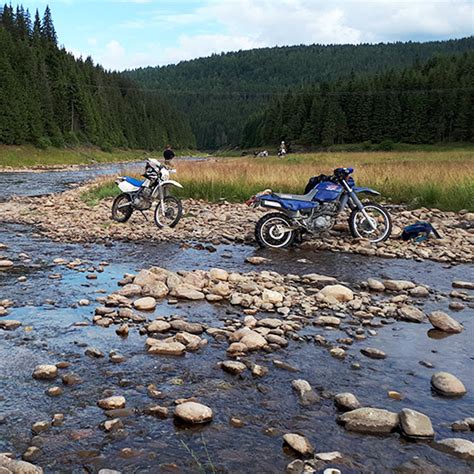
(144, 215)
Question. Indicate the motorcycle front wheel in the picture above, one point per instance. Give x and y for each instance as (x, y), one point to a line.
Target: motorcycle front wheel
(376, 228)
(122, 208)
(274, 231)
(168, 212)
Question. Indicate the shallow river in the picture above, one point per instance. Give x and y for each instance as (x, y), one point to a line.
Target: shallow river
(268, 406)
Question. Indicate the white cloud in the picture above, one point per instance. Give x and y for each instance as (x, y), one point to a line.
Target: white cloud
(214, 26)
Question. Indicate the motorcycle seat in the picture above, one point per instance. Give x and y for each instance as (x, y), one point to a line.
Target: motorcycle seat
(134, 182)
(296, 197)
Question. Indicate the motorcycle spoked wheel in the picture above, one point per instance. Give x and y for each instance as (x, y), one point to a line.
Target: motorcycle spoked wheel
(274, 231)
(171, 214)
(360, 228)
(122, 208)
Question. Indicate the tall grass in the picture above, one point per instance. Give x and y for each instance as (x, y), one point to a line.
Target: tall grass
(444, 180)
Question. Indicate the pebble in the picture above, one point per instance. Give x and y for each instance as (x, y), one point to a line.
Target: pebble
(444, 322)
(45, 372)
(112, 403)
(373, 353)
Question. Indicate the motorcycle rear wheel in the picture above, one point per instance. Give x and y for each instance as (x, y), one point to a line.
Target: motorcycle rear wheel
(274, 231)
(360, 228)
(122, 208)
(171, 214)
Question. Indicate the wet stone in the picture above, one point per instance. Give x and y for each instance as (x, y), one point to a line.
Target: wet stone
(444, 322)
(415, 425)
(346, 401)
(370, 420)
(373, 353)
(112, 403)
(233, 367)
(459, 447)
(447, 384)
(193, 412)
(299, 443)
(45, 372)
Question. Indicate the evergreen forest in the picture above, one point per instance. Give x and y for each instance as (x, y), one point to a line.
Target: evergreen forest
(221, 92)
(430, 103)
(48, 97)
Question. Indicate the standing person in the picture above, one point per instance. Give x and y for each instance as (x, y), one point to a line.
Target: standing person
(168, 154)
(282, 149)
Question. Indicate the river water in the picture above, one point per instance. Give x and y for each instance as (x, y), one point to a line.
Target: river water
(268, 406)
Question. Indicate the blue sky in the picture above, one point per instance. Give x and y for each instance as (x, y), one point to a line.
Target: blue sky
(122, 34)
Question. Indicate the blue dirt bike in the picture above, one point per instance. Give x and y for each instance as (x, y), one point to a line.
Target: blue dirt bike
(316, 211)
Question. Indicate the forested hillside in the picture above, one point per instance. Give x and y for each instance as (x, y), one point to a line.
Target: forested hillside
(422, 104)
(219, 93)
(49, 97)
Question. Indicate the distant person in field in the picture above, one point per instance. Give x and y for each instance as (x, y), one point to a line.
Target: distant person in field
(168, 154)
(282, 149)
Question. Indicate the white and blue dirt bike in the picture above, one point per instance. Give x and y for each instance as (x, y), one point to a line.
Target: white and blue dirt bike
(316, 211)
(140, 195)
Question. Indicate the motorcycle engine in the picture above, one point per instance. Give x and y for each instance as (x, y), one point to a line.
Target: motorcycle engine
(323, 217)
(142, 199)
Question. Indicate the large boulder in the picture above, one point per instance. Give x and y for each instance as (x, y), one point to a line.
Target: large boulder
(338, 292)
(444, 322)
(462, 448)
(415, 425)
(193, 412)
(299, 443)
(447, 384)
(370, 420)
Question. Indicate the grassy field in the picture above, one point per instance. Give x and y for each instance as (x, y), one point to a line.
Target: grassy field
(27, 156)
(439, 179)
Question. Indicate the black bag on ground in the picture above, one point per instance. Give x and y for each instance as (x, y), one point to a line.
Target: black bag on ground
(314, 181)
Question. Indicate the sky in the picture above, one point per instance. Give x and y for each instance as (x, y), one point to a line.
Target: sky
(126, 34)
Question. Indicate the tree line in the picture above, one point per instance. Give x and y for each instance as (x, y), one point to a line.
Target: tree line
(426, 103)
(221, 92)
(48, 97)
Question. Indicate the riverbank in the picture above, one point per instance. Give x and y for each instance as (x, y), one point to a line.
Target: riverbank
(30, 158)
(66, 217)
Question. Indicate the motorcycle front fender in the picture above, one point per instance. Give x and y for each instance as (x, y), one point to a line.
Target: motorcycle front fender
(172, 183)
(358, 190)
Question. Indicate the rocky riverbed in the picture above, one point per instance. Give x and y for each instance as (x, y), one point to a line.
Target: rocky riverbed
(67, 218)
(169, 358)
(124, 348)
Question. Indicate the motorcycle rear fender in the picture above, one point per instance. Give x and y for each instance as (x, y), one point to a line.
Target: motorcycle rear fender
(126, 187)
(172, 183)
(358, 190)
